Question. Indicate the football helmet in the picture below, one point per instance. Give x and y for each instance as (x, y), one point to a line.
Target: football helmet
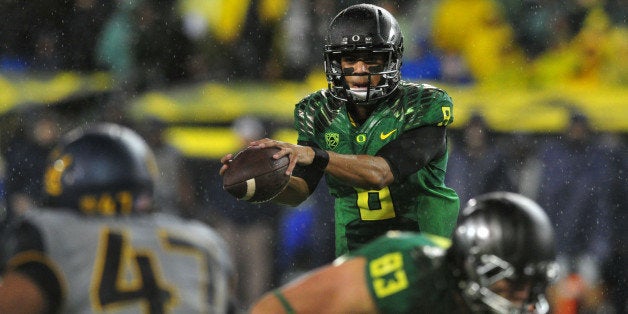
(105, 169)
(502, 235)
(363, 28)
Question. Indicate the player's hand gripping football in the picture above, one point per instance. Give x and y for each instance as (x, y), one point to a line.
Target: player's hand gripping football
(302, 155)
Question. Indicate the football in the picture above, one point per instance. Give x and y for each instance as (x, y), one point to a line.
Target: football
(255, 176)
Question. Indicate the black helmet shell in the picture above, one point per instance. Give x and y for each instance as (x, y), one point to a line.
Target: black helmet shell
(363, 28)
(507, 225)
(503, 235)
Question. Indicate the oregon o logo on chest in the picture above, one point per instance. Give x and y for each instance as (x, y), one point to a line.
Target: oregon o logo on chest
(360, 138)
(355, 38)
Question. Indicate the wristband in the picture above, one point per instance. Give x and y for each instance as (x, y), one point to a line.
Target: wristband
(321, 158)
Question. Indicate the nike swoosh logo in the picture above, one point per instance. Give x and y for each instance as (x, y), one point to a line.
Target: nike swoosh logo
(384, 136)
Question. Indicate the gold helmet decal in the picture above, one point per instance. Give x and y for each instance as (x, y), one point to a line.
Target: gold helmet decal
(54, 172)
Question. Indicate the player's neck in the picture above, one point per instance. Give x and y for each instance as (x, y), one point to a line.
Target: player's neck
(359, 114)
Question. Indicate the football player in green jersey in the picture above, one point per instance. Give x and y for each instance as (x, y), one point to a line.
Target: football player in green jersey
(381, 142)
(500, 259)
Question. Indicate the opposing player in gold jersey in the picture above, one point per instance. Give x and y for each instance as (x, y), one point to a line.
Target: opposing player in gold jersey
(97, 246)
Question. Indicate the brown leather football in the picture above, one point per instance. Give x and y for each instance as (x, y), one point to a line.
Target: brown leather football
(255, 176)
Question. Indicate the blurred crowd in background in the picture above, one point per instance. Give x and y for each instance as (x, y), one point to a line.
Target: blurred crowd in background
(156, 43)
(578, 174)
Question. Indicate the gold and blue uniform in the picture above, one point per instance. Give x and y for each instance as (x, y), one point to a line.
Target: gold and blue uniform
(140, 263)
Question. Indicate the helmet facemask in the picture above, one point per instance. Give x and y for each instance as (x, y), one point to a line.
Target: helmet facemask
(340, 89)
(483, 272)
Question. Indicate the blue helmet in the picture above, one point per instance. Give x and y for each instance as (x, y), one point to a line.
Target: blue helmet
(104, 169)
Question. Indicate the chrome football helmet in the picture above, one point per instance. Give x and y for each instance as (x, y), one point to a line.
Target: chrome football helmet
(503, 235)
(363, 28)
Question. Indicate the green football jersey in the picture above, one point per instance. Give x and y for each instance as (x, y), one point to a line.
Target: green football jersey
(419, 202)
(406, 273)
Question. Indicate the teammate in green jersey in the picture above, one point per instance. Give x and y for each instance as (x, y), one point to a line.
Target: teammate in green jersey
(381, 142)
(500, 259)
